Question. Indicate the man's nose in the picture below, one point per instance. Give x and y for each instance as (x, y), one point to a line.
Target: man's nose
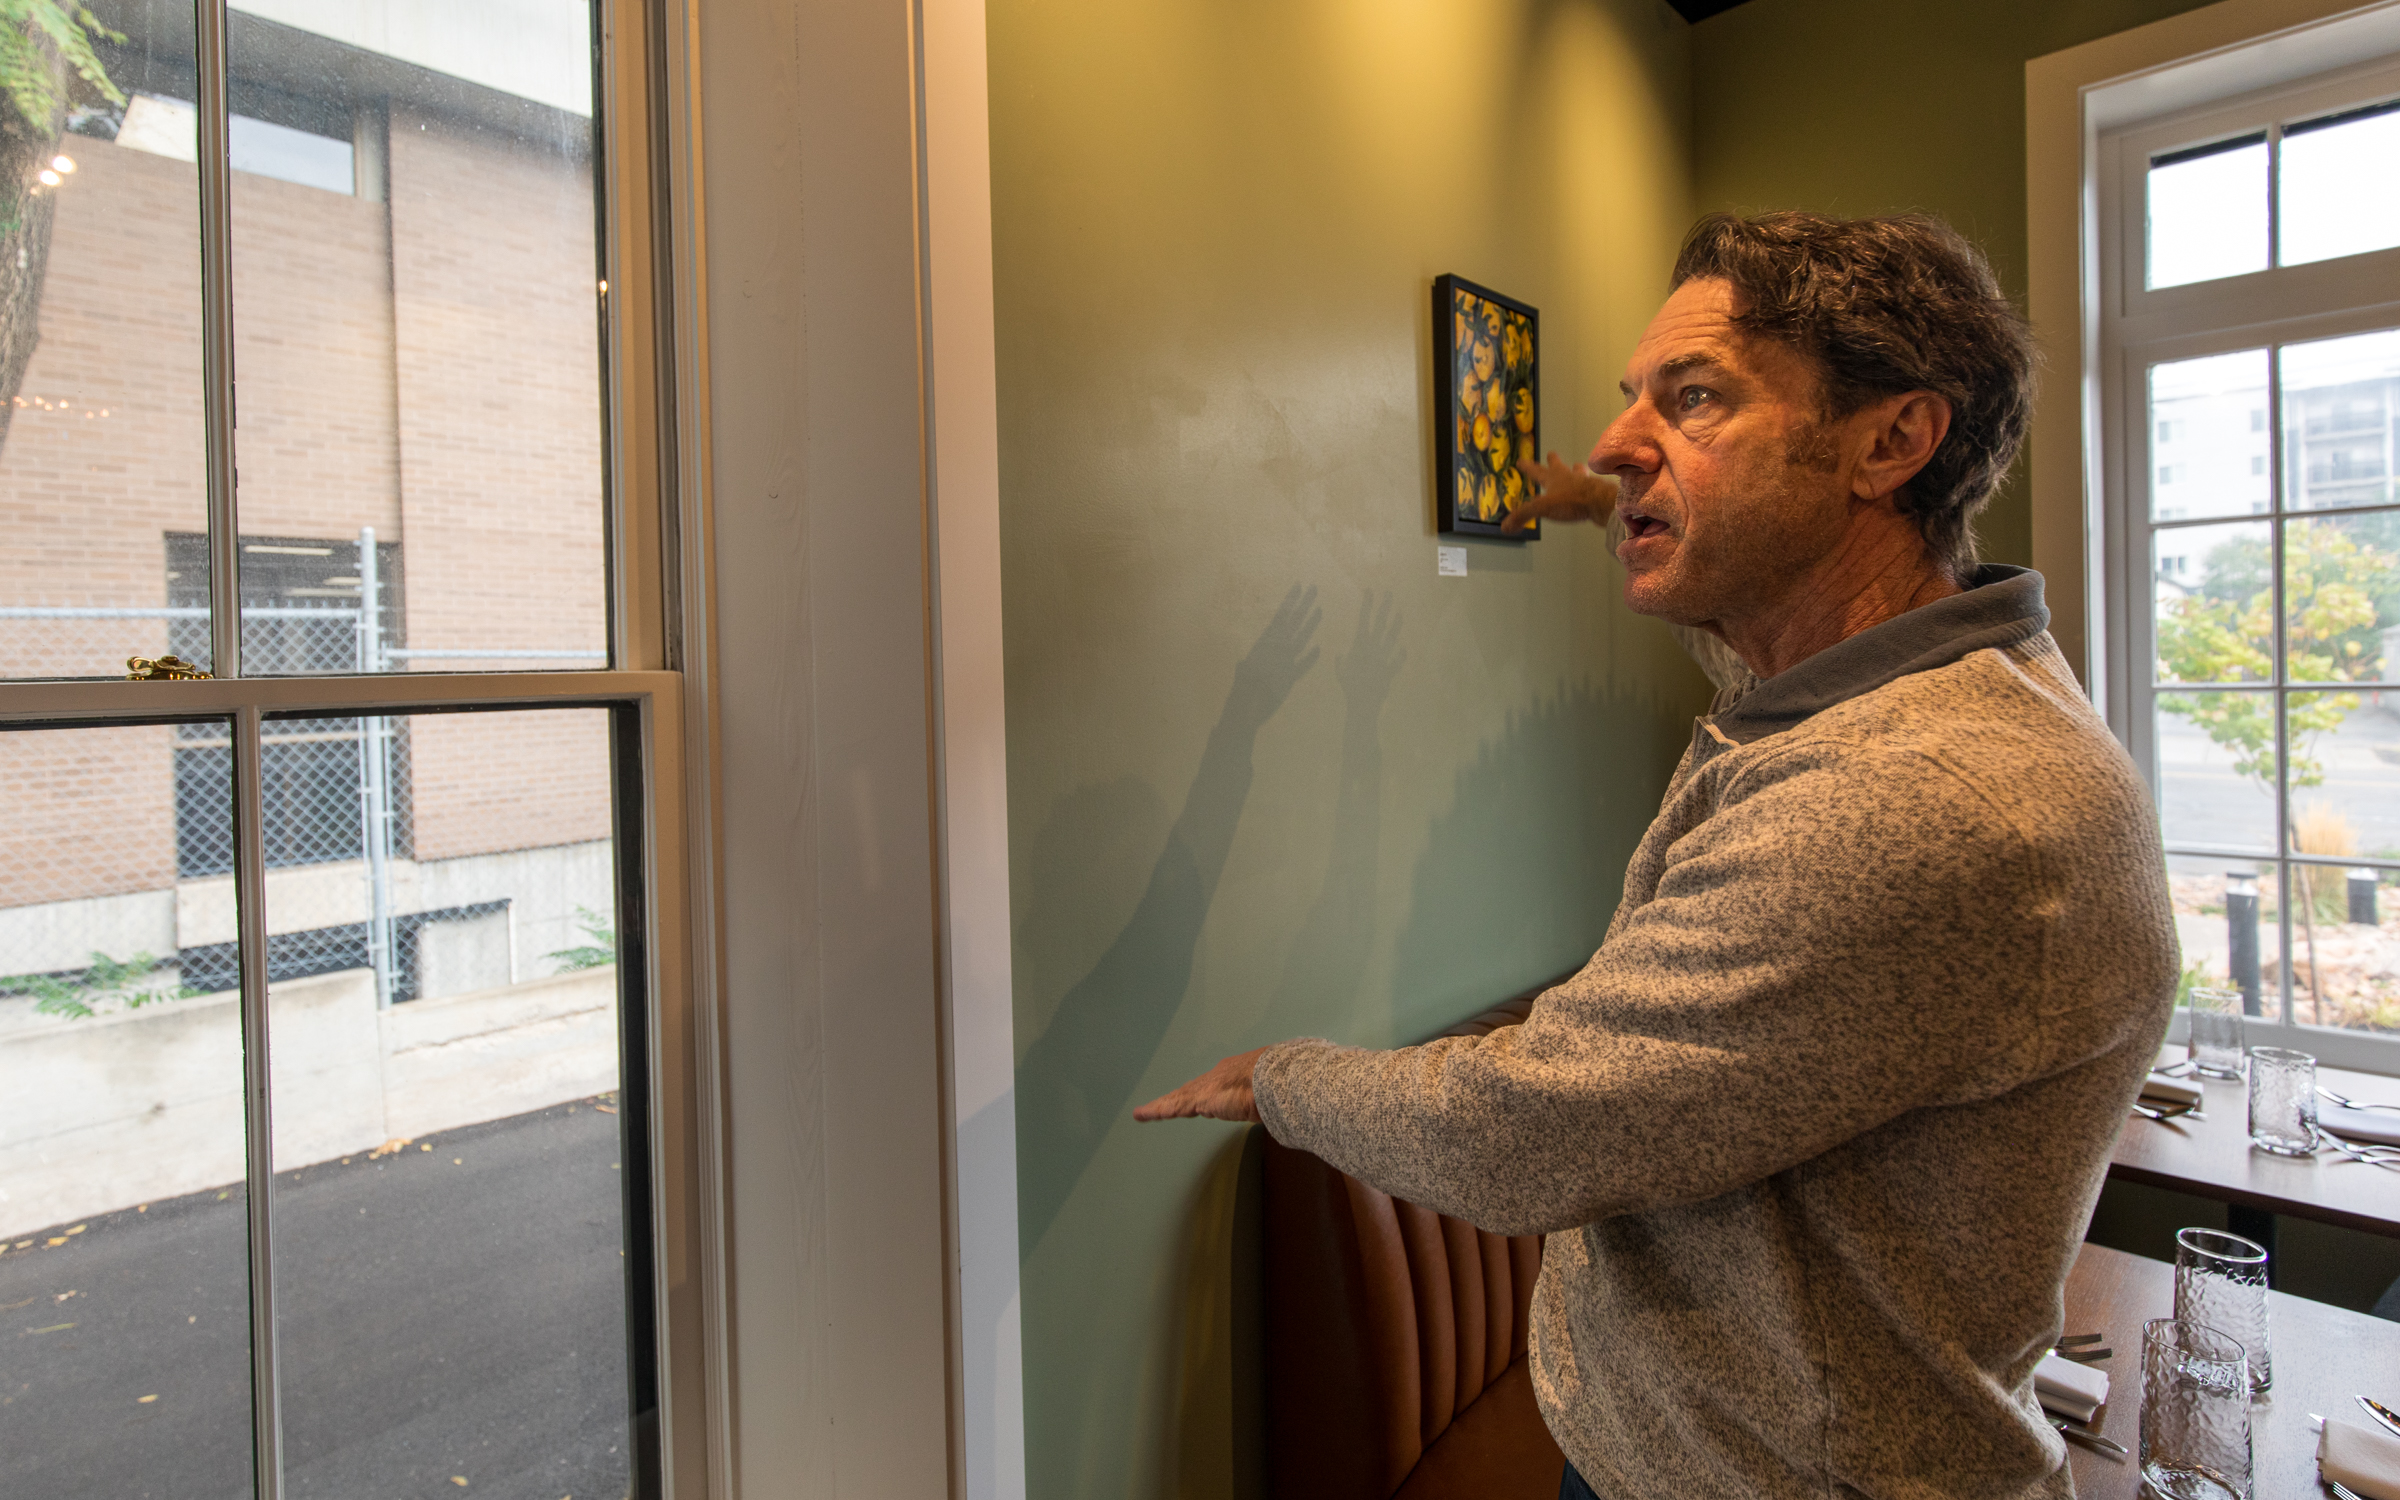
(1627, 444)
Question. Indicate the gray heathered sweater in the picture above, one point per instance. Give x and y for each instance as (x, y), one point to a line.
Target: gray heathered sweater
(1816, 1133)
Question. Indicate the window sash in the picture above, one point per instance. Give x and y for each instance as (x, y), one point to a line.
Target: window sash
(2139, 328)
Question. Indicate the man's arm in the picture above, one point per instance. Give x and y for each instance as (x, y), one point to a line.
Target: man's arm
(1802, 976)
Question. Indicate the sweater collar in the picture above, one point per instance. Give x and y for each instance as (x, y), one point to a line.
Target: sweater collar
(2000, 606)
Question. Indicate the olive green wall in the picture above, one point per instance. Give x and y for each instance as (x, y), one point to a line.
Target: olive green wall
(1269, 775)
(1855, 107)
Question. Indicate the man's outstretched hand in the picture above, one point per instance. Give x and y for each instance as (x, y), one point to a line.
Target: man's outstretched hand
(1561, 492)
(1221, 1093)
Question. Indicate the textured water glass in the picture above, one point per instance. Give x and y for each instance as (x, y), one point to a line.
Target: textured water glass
(2221, 1282)
(2283, 1101)
(2195, 1412)
(2216, 1030)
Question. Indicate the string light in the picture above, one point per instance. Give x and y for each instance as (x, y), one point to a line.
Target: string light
(50, 178)
(62, 164)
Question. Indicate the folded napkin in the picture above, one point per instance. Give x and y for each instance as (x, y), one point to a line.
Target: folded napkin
(2072, 1390)
(2367, 1459)
(2359, 1124)
(2176, 1090)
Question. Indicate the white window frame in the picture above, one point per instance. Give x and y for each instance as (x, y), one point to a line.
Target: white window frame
(2095, 115)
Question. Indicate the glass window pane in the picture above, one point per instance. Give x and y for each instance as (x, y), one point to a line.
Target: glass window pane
(2216, 769)
(416, 315)
(2341, 406)
(2341, 598)
(2213, 602)
(451, 1236)
(102, 442)
(2225, 918)
(2340, 193)
(2210, 451)
(124, 1260)
(2208, 212)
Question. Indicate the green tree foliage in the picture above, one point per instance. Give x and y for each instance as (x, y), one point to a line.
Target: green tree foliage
(602, 949)
(2334, 587)
(41, 42)
(79, 997)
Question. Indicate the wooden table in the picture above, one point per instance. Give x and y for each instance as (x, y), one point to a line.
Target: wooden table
(2324, 1356)
(2213, 1158)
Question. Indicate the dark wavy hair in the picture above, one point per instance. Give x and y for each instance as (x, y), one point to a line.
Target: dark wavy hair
(1882, 307)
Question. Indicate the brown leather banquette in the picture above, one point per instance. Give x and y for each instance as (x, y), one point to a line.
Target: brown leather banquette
(1395, 1341)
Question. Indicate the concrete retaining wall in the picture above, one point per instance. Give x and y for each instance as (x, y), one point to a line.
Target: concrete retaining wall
(115, 1110)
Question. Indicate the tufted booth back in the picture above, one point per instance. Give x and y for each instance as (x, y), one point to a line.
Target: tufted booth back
(1395, 1341)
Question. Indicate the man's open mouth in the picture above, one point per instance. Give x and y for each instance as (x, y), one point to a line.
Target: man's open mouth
(1639, 525)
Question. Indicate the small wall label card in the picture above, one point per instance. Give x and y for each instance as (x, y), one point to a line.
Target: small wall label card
(1487, 404)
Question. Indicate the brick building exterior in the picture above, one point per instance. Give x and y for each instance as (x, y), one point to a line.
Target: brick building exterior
(419, 356)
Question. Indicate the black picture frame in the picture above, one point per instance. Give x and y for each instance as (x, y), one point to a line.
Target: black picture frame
(1487, 350)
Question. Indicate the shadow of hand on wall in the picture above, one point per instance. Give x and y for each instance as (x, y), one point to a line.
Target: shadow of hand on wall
(1080, 1074)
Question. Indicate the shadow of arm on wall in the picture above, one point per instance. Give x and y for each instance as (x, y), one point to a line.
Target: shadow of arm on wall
(1081, 1072)
(1329, 956)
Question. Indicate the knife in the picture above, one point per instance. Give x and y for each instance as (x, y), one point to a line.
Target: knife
(2382, 1413)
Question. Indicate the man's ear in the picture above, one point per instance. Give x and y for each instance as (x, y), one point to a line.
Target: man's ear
(1902, 432)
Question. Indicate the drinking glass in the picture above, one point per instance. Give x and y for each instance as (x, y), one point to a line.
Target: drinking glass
(2195, 1412)
(2221, 1282)
(2283, 1101)
(2216, 1035)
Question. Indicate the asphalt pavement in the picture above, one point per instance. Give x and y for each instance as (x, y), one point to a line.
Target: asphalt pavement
(452, 1325)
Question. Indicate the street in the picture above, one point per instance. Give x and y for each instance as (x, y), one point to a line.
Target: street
(452, 1325)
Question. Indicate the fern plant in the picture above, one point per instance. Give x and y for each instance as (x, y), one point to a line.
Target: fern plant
(80, 997)
(40, 42)
(594, 954)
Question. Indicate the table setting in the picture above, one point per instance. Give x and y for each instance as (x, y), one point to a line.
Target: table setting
(2205, 1410)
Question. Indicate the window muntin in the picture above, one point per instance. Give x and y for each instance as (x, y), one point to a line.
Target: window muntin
(123, 1273)
(2248, 523)
(298, 910)
(102, 437)
(2297, 615)
(2338, 190)
(2333, 181)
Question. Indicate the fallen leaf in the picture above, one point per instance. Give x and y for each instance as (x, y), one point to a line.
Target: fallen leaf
(429, 1148)
(606, 1109)
(53, 1328)
(141, 1208)
(616, 1166)
(461, 1483)
(458, 1161)
(345, 1161)
(146, 1400)
(78, 1229)
(24, 1244)
(388, 1148)
(194, 1318)
(63, 1296)
(59, 1240)
(13, 1306)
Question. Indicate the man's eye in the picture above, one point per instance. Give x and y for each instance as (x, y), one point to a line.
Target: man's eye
(1692, 396)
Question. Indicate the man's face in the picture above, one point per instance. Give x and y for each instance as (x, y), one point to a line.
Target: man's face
(1731, 491)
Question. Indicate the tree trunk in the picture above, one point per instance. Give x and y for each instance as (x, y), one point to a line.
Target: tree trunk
(26, 212)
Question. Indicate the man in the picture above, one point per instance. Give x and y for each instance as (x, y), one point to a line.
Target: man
(1815, 1134)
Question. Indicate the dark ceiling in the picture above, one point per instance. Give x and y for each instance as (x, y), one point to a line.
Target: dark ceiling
(1701, 10)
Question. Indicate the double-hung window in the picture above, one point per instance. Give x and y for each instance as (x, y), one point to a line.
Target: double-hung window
(2249, 384)
(331, 1001)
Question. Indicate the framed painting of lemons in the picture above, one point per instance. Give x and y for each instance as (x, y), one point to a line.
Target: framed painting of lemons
(1487, 395)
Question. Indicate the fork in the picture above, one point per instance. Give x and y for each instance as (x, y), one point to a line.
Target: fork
(2340, 1490)
(2326, 1093)
(2165, 1112)
(2384, 1156)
